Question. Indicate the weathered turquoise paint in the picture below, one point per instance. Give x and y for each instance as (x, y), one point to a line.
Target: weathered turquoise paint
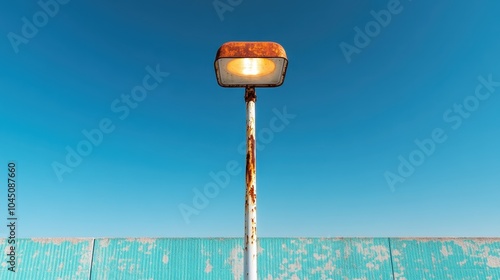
(55, 258)
(279, 258)
(446, 258)
(145, 258)
(324, 258)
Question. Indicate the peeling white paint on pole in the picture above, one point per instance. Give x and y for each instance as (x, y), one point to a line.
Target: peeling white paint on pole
(250, 268)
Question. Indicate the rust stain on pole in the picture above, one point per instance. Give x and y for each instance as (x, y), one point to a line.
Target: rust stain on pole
(250, 176)
(250, 96)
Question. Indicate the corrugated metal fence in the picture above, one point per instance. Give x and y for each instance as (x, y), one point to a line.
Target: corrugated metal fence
(279, 258)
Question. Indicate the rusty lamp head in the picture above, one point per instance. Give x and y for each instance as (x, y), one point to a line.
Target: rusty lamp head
(250, 64)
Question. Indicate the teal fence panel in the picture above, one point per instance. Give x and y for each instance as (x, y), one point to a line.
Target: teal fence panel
(447, 258)
(53, 258)
(324, 258)
(183, 258)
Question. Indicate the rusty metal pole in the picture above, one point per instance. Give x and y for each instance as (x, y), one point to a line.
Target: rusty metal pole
(250, 267)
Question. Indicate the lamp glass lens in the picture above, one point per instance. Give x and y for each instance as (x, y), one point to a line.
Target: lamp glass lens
(253, 67)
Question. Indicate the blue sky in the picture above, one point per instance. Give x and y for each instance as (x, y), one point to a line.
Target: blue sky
(338, 153)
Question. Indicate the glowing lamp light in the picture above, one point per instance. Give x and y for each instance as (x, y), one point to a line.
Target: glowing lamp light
(255, 67)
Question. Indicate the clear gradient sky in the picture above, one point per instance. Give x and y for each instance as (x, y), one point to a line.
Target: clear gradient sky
(361, 90)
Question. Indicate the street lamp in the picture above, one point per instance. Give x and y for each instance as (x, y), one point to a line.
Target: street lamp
(250, 65)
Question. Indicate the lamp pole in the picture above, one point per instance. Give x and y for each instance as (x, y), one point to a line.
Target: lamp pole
(250, 65)
(250, 257)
